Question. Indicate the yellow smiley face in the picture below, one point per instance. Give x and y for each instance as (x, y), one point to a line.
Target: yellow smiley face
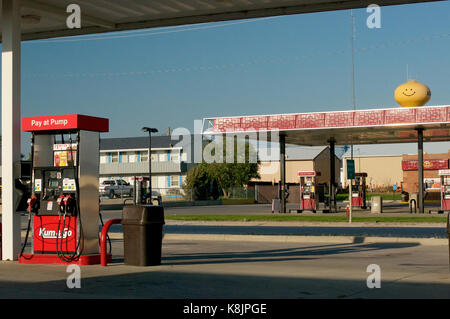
(412, 93)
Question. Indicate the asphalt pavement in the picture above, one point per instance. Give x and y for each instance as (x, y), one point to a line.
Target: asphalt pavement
(390, 208)
(406, 232)
(399, 230)
(193, 269)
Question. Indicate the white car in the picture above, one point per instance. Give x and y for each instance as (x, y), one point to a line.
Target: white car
(115, 187)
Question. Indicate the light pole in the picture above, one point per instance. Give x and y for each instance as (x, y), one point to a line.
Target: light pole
(150, 130)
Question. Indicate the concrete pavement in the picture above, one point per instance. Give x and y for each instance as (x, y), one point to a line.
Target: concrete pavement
(226, 270)
(257, 260)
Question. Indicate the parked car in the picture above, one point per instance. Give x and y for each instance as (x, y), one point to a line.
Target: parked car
(115, 187)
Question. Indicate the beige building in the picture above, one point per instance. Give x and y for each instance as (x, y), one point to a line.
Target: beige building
(385, 165)
(300, 159)
(297, 159)
(382, 170)
(389, 164)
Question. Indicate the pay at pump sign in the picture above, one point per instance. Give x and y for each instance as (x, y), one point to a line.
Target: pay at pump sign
(350, 169)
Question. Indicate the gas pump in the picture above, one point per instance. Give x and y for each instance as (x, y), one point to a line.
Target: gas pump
(140, 192)
(445, 189)
(64, 205)
(309, 199)
(139, 189)
(359, 190)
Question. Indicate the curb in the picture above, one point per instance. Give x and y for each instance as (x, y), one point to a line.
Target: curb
(311, 239)
(304, 239)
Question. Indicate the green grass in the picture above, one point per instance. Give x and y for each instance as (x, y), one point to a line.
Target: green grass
(371, 219)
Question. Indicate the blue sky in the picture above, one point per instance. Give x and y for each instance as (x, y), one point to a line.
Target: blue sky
(297, 63)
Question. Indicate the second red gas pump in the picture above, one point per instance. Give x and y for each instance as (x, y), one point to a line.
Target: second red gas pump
(445, 190)
(309, 199)
(359, 190)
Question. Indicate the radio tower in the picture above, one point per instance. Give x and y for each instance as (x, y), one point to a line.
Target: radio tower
(352, 20)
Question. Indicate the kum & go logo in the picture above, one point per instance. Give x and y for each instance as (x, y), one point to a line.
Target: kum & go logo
(53, 234)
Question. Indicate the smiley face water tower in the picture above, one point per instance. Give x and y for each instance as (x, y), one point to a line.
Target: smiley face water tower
(412, 93)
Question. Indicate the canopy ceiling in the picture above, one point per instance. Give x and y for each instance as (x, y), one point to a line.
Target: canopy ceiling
(47, 18)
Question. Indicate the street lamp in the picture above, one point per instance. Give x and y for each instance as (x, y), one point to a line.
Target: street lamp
(150, 130)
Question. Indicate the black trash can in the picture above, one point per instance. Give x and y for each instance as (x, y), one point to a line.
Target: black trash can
(142, 234)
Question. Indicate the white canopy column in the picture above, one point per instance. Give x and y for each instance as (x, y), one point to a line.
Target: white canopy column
(11, 38)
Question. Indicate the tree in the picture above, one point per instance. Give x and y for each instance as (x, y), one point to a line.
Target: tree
(226, 174)
(198, 184)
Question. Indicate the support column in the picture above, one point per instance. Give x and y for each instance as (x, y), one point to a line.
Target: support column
(332, 176)
(10, 127)
(283, 172)
(420, 197)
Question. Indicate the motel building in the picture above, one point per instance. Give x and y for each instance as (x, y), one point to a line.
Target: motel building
(127, 158)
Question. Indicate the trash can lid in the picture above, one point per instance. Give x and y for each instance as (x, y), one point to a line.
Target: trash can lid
(142, 214)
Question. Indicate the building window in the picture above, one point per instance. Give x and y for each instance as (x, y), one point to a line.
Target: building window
(123, 157)
(162, 157)
(144, 156)
(103, 158)
(175, 156)
(161, 181)
(114, 157)
(174, 181)
(132, 157)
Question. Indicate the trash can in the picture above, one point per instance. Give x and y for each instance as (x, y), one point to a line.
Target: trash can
(142, 234)
(276, 205)
(376, 205)
(413, 203)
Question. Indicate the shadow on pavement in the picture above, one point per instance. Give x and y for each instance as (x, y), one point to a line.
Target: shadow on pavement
(155, 283)
(219, 282)
(274, 255)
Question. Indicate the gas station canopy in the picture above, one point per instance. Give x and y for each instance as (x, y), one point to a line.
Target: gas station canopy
(47, 18)
(375, 126)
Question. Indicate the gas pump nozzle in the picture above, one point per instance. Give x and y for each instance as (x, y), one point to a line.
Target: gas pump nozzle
(32, 201)
(61, 203)
(68, 203)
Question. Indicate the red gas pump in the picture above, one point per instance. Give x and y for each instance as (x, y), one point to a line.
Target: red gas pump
(359, 190)
(64, 206)
(445, 189)
(309, 199)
